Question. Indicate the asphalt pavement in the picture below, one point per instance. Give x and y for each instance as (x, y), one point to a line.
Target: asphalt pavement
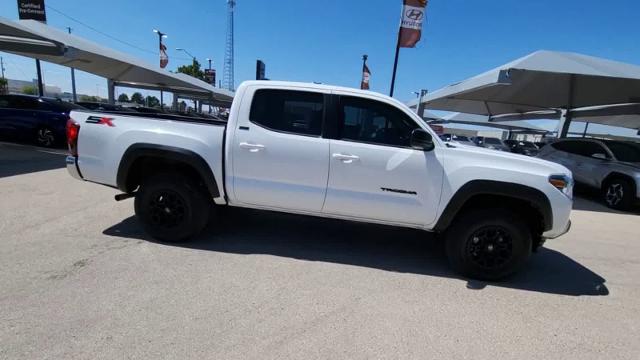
(79, 279)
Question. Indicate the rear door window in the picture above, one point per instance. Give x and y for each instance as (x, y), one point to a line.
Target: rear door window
(4, 102)
(582, 148)
(297, 112)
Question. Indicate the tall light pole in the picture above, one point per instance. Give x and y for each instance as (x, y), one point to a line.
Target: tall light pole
(188, 53)
(160, 36)
(73, 77)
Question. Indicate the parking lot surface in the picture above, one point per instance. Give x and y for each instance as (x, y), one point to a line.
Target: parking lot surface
(79, 279)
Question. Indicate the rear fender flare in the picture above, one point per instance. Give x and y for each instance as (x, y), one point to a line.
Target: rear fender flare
(140, 150)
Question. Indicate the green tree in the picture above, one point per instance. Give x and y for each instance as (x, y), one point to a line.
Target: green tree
(30, 90)
(152, 101)
(192, 70)
(4, 89)
(123, 98)
(137, 98)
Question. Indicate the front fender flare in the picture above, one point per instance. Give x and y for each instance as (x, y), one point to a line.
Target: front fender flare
(535, 197)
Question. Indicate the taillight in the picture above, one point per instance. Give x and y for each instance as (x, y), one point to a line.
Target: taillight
(73, 128)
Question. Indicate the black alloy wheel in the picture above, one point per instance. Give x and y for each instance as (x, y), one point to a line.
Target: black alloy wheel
(490, 247)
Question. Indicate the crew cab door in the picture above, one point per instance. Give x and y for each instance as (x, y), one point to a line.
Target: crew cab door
(374, 174)
(279, 159)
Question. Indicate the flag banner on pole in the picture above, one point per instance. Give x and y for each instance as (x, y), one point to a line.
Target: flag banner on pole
(164, 58)
(366, 76)
(413, 14)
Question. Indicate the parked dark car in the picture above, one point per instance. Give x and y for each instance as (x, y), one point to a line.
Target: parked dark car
(491, 143)
(100, 106)
(522, 147)
(38, 119)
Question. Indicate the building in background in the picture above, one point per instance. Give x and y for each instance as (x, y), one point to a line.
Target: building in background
(18, 86)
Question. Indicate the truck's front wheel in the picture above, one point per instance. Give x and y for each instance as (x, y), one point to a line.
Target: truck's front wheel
(488, 244)
(172, 207)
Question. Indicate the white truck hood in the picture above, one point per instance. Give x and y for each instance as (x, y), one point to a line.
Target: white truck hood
(501, 159)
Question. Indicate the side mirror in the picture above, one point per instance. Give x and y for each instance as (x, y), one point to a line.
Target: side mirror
(599, 156)
(421, 140)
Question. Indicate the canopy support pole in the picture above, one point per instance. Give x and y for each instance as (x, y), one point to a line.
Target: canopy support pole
(565, 120)
(111, 91)
(586, 127)
(161, 99)
(39, 71)
(420, 108)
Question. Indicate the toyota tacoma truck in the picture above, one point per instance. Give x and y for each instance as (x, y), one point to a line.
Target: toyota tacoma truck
(330, 152)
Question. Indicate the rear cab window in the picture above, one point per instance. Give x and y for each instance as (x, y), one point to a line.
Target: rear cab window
(290, 111)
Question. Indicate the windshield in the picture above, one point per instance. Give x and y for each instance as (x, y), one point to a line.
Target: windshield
(63, 105)
(623, 151)
(493, 141)
(460, 138)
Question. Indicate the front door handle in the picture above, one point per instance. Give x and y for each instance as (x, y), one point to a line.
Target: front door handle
(346, 158)
(251, 147)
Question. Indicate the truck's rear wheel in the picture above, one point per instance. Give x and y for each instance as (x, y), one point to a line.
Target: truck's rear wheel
(172, 207)
(488, 244)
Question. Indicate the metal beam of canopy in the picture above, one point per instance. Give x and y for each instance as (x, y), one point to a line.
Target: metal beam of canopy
(541, 81)
(34, 39)
(480, 120)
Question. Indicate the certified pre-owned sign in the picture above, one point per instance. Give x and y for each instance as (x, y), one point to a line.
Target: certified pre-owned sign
(32, 10)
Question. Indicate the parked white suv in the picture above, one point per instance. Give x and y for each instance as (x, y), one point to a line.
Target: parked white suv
(331, 152)
(608, 165)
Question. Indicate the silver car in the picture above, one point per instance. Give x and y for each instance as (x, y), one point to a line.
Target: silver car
(609, 165)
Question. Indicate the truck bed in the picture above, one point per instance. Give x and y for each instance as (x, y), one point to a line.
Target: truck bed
(104, 137)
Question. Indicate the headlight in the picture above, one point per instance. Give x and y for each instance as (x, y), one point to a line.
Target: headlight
(563, 183)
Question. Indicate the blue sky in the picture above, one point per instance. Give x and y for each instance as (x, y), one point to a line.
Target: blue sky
(324, 40)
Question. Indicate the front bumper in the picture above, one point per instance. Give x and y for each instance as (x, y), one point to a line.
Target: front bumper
(566, 230)
(72, 167)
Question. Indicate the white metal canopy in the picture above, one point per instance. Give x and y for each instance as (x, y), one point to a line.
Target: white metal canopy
(540, 81)
(37, 40)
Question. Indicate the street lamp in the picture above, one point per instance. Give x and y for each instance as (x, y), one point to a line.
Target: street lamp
(161, 35)
(188, 53)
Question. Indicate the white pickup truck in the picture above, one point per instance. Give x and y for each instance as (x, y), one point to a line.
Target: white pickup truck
(331, 152)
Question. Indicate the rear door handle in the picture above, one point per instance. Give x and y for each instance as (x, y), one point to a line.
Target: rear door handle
(346, 158)
(251, 147)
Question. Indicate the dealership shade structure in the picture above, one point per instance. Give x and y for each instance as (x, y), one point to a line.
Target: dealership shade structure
(541, 81)
(37, 40)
